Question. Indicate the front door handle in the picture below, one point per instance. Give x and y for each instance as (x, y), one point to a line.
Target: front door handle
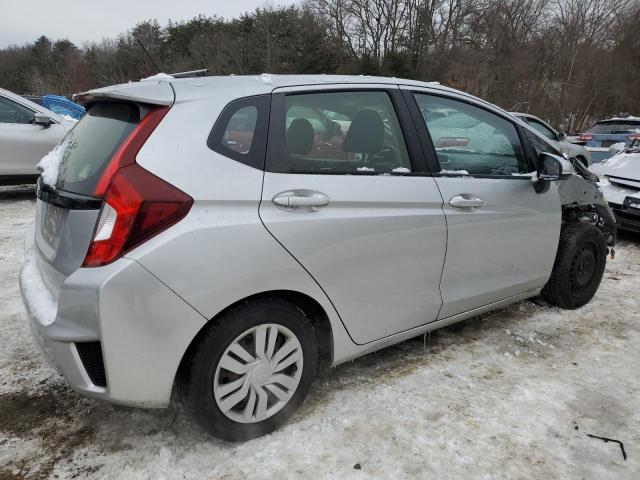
(466, 200)
(296, 199)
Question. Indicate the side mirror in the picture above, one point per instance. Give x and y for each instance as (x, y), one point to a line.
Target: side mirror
(553, 167)
(42, 120)
(562, 136)
(550, 169)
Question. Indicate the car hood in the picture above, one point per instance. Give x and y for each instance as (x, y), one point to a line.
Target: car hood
(624, 165)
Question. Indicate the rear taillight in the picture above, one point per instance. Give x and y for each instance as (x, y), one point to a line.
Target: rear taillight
(585, 137)
(137, 205)
(634, 137)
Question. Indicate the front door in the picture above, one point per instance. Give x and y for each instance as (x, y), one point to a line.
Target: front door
(502, 235)
(344, 195)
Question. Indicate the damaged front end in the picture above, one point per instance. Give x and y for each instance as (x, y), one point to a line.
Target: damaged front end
(583, 201)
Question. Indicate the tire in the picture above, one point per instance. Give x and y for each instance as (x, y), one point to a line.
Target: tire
(578, 268)
(210, 387)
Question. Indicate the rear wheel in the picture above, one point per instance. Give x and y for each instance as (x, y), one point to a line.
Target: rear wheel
(252, 369)
(578, 267)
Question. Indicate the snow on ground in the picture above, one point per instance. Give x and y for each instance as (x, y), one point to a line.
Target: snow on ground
(512, 394)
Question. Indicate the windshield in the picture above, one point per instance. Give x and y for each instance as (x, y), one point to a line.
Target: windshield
(89, 146)
(616, 126)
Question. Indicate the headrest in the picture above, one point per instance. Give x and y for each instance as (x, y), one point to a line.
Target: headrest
(300, 137)
(366, 133)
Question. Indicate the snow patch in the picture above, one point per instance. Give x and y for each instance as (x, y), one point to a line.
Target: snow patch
(41, 303)
(454, 172)
(158, 76)
(49, 165)
(401, 170)
(266, 78)
(70, 118)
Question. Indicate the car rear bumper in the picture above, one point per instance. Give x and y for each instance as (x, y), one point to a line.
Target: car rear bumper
(115, 332)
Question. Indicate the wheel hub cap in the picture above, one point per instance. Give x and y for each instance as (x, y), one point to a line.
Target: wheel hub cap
(258, 373)
(584, 266)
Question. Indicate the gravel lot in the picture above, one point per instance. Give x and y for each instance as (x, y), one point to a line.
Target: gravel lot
(511, 395)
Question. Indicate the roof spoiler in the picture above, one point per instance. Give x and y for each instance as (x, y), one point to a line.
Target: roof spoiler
(151, 92)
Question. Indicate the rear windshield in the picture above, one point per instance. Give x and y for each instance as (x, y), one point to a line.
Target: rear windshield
(92, 143)
(621, 126)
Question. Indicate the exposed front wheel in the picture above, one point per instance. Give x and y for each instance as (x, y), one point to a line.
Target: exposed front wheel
(578, 268)
(252, 369)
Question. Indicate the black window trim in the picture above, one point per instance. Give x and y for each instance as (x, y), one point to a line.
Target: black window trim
(276, 144)
(428, 147)
(255, 157)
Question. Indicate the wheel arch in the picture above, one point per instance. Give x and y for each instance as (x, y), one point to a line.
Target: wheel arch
(309, 306)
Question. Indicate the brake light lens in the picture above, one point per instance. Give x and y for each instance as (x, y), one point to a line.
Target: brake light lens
(585, 137)
(137, 206)
(634, 137)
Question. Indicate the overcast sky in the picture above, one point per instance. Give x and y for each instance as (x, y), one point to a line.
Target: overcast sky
(23, 21)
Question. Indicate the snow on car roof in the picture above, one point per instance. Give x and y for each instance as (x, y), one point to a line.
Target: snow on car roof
(630, 118)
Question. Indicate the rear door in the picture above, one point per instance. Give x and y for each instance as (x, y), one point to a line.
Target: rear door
(502, 235)
(22, 143)
(346, 193)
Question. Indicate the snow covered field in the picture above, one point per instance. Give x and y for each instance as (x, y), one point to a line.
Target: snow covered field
(510, 395)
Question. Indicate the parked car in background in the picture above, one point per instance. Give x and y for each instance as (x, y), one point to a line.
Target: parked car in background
(557, 139)
(206, 235)
(60, 105)
(27, 132)
(605, 133)
(620, 184)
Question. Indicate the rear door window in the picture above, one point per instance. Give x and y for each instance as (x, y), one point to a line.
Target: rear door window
(355, 132)
(89, 146)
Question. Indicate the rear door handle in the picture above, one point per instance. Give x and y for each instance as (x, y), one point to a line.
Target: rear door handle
(466, 200)
(300, 199)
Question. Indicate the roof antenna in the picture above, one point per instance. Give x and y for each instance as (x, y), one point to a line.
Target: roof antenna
(155, 65)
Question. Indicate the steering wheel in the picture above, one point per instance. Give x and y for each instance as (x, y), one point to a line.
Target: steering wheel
(506, 169)
(385, 154)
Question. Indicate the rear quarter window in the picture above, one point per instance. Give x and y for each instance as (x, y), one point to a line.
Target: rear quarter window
(240, 132)
(89, 146)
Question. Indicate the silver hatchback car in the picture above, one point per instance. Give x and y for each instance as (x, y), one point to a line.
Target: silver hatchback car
(239, 233)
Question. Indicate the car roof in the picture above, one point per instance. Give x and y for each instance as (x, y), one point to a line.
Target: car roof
(154, 89)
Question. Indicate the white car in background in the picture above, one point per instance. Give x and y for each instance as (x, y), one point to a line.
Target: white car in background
(620, 184)
(557, 139)
(27, 132)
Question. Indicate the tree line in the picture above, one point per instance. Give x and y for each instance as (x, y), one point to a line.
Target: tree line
(568, 61)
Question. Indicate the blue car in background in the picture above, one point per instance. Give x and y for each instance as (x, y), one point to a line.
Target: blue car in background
(606, 133)
(60, 105)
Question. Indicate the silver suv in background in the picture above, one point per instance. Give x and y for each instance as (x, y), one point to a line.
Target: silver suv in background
(27, 132)
(238, 233)
(558, 140)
